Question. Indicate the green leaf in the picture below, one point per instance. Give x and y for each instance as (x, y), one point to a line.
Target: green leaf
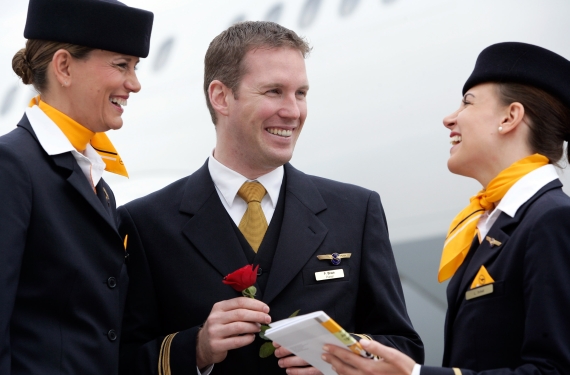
(266, 350)
(295, 313)
(264, 328)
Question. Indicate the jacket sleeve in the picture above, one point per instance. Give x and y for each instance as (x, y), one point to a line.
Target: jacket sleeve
(145, 349)
(15, 212)
(381, 312)
(546, 288)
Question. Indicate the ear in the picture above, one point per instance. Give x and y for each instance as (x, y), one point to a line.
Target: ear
(219, 97)
(514, 116)
(60, 65)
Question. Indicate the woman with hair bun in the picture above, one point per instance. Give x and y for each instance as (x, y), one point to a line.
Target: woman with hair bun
(62, 261)
(508, 252)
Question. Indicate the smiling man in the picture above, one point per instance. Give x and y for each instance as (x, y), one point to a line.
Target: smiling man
(248, 205)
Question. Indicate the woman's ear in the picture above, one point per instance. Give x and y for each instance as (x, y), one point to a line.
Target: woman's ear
(514, 116)
(60, 65)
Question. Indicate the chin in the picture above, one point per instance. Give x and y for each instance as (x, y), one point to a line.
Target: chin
(114, 126)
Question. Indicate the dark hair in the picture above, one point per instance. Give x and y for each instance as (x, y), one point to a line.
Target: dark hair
(31, 63)
(548, 118)
(225, 54)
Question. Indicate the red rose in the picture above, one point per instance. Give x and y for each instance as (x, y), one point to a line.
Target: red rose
(242, 278)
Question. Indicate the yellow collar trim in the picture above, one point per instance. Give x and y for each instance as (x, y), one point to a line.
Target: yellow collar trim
(79, 136)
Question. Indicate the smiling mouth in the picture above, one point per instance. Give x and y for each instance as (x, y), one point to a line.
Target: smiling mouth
(455, 140)
(280, 132)
(120, 102)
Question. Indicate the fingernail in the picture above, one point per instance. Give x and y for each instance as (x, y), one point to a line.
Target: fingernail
(324, 357)
(280, 363)
(326, 348)
(333, 368)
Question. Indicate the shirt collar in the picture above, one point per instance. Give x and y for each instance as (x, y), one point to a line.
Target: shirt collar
(50, 136)
(229, 181)
(524, 189)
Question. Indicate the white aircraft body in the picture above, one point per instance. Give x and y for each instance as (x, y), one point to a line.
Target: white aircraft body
(383, 74)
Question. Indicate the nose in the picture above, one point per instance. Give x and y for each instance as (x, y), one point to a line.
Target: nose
(291, 107)
(450, 120)
(132, 83)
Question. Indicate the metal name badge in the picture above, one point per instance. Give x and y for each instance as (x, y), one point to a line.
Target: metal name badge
(478, 292)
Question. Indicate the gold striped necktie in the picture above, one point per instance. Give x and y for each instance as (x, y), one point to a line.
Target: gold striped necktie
(253, 224)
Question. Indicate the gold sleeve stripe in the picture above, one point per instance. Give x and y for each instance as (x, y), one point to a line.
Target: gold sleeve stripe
(125, 242)
(456, 371)
(164, 356)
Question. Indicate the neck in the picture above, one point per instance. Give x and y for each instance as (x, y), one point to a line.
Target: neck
(237, 164)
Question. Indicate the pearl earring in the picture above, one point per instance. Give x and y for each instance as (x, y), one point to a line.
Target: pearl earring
(500, 129)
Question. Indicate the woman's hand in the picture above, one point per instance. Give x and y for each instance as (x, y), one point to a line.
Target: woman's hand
(391, 361)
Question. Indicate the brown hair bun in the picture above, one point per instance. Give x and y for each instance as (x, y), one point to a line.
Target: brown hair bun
(21, 66)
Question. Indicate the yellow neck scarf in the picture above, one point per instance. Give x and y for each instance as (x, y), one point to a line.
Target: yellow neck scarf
(80, 136)
(464, 227)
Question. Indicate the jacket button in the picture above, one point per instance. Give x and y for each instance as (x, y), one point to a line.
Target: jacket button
(112, 335)
(111, 282)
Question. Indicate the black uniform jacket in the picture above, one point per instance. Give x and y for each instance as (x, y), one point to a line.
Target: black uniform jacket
(523, 327)
(181, 245)
(62, 275)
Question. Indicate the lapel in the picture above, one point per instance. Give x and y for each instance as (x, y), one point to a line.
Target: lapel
(210, 229)
(302, 231)
(485, 253)
(75, 178)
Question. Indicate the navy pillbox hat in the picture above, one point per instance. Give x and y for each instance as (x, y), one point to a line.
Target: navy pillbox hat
(513, 62)
(103, 24)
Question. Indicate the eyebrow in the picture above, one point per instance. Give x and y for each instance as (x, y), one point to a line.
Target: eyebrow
(465, 96)
(280, 85)
(129, 59)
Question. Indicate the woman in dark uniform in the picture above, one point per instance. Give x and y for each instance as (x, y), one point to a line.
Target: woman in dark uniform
(508, 251)
(62, 273)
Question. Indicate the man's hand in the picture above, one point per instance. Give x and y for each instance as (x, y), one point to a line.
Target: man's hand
(230, 325)
(294, 365)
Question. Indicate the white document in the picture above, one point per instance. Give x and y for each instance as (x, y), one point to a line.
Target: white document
(305, 336)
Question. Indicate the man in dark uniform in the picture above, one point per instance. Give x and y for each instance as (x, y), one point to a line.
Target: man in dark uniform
(63, 280)
(248, 205)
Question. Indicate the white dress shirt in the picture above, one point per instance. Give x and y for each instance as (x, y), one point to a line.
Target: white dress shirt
(54, 142)
(228, 182)
(517, 195)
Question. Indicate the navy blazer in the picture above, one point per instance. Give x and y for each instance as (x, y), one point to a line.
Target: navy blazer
(523, 327)
(62, 275)
(182, 243)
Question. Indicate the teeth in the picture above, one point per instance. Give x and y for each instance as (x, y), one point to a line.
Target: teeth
(455, 139)
(280, 132)
(119, 101)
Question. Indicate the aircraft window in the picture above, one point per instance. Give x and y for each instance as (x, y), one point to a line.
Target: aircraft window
(9, 99)
(309, 12)
(347, 7)
(239, 18)
(274, 13)
(163, 54)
